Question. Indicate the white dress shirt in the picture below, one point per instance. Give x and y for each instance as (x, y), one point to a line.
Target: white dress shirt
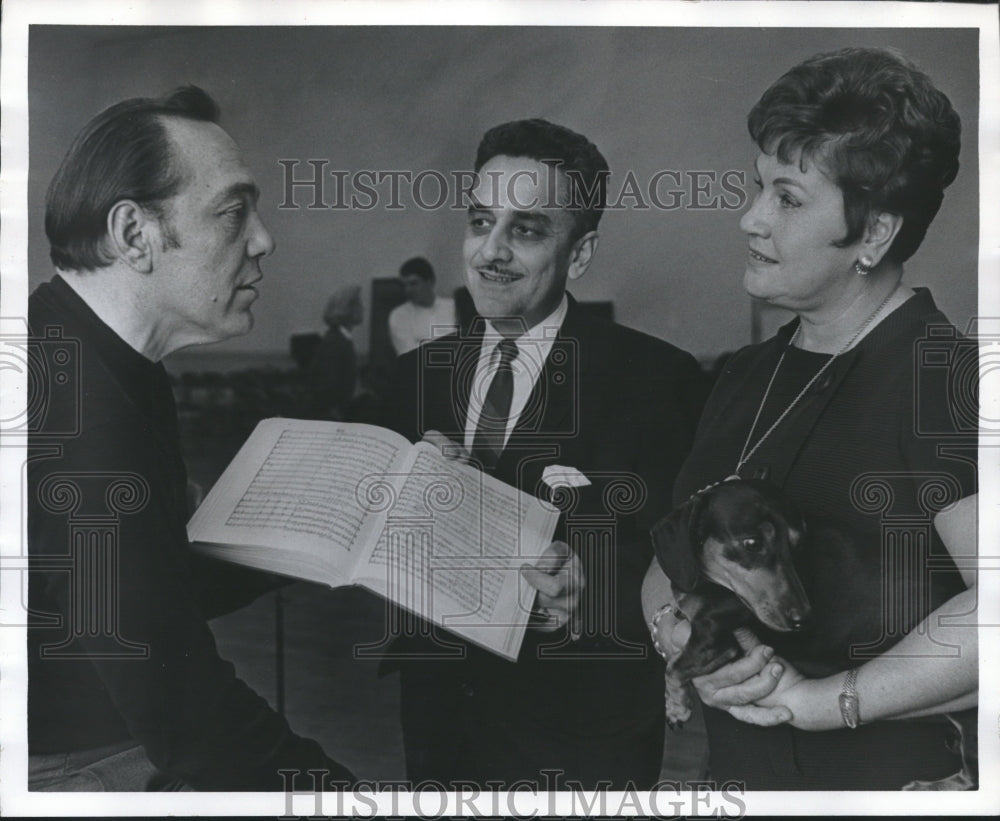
(533, 348)
(410, 324)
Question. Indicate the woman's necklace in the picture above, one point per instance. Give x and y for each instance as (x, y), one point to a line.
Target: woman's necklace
(747, 451)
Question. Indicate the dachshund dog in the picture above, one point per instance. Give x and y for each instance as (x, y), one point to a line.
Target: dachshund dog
(730, 553)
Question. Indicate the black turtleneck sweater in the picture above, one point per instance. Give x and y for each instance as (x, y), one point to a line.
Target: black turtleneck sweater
(107, 486)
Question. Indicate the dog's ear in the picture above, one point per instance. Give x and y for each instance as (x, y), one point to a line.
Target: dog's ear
(673, 544)
(782, 503)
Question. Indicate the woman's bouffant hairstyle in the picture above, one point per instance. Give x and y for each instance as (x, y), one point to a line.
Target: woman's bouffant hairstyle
(342, 305)
(878, 128)
(123, 153)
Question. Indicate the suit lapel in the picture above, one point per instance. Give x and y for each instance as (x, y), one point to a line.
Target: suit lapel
(551, 414)
(446, 371)
(462, 376)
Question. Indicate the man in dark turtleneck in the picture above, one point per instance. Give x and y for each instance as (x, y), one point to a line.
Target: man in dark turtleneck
(153, 226)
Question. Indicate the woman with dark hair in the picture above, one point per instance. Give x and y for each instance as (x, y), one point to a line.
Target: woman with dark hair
(844, 410)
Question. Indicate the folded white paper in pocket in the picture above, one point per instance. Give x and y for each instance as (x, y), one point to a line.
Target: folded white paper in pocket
(557, 476)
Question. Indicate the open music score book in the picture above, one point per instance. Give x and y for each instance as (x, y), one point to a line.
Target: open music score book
(347, 503)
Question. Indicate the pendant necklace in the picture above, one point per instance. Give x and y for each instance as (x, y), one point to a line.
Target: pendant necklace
(748, 451)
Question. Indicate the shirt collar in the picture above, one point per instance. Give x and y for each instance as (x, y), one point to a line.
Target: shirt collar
(544, 331)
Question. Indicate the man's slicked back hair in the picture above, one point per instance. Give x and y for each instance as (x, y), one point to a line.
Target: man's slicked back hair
(574, 155)
(124, 153)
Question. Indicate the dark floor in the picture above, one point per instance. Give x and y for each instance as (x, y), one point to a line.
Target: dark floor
(340, 700)
(329, 694)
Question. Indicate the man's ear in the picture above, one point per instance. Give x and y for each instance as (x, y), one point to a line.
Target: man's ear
(882, 230)
(131, 233)
(582, 255)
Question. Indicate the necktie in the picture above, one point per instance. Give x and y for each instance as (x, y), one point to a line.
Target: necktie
(491, 429)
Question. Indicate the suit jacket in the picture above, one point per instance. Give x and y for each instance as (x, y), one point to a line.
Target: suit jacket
(620, 407)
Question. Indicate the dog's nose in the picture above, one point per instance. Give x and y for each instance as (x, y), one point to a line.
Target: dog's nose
(797, 619)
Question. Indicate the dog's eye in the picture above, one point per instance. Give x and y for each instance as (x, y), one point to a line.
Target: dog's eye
(752, 544)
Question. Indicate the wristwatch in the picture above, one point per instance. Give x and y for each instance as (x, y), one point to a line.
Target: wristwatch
(849, 706)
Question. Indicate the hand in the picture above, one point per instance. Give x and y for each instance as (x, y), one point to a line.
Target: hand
(811, 703)
(764, 689)
(558, 578)
(449, 448)
(804, 699)
(742, 686)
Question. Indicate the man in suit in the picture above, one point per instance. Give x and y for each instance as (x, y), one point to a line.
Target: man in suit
(594, 417)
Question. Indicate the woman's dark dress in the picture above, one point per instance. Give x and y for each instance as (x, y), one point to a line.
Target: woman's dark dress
(884, 440)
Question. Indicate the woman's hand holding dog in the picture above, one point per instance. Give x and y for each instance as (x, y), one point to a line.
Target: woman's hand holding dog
(741, 686)
(766, 690)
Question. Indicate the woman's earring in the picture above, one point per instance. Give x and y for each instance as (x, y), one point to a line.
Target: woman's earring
(864, 266)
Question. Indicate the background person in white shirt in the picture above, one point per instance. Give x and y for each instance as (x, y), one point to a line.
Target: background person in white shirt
(423, 312)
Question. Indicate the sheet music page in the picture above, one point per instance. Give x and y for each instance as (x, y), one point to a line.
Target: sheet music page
(295, 488)
(452, 546)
